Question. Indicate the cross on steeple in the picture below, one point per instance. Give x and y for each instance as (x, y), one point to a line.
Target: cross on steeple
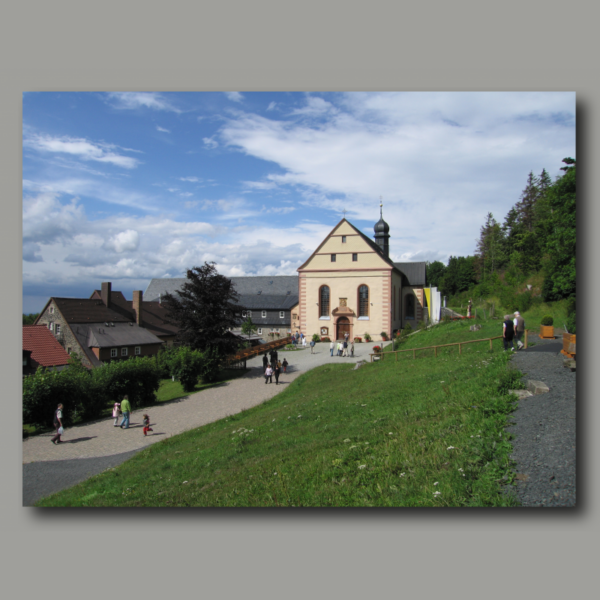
(344, 211)
(381, 206)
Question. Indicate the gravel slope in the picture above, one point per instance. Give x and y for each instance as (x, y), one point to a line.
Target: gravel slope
(544, 429)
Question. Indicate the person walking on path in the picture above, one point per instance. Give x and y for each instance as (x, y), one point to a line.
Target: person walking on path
(126, 410)
(116, 413)
(268, 374)
(339, 349)
(58, 424)
(519, 324)
(352, 350)
(331, 347)
(303, 341)
(508, 332)
(312, 346)
(277, 372)
(147, 425)
(265, 361)
(345, 350)
(284, 364)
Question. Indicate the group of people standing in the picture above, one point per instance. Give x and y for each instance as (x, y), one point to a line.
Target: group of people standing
(299, 339)
(513, 329)
(120, 409)
(342, 348)
(274, 367)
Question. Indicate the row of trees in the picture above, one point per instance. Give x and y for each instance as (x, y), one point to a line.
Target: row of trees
(538, 234)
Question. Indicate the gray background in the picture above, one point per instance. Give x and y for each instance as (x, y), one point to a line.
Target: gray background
(112, 46)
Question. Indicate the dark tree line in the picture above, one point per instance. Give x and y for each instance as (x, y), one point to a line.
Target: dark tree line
(538, 234)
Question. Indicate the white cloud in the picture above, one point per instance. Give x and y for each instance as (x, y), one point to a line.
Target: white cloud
(124, 241)
(163, 129)
(315, 107)
(79, 147)
(135, 100)
(210, 143)
(234, 96)
(272, 106)
(186, 194)
(259, 185)
(190, 179)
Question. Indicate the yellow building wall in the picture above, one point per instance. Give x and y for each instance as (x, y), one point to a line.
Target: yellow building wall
(345, 285)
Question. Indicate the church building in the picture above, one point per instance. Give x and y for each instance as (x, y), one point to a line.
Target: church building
(350, 285)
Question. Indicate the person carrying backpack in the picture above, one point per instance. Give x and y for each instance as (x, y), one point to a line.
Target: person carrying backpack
(312, 346)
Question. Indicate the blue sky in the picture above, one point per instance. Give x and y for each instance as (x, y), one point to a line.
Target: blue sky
(128, 186)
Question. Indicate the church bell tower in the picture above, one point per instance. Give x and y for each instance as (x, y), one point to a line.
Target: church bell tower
(382, 232)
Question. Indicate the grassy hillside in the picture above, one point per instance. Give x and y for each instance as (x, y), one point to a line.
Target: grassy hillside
(425, 432)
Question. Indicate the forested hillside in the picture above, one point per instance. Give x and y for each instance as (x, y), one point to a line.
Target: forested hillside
(535, 243)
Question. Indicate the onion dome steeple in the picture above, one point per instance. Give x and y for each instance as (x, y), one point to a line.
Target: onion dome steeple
(382, 232)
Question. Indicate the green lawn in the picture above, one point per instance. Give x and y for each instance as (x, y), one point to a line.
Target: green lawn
(425, 432)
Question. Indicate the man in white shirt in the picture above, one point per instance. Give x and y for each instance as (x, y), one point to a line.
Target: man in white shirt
(519, 324)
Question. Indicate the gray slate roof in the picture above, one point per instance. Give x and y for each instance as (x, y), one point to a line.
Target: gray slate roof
(122, 334)
(414, 271)
(277, 293)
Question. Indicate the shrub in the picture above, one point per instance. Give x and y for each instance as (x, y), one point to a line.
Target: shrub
(407, 329)
(384, 336)
(547, 320)
(367, 337)
(137, 377)
(357, 340)
(316, 338)
(325, 339)
(524, 301)
(571, 323)
(186, 365)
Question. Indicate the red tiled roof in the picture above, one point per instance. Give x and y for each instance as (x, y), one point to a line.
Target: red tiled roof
(45, 349)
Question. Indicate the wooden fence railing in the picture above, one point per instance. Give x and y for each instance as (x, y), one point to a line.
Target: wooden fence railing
(435, 348)
(244, 355)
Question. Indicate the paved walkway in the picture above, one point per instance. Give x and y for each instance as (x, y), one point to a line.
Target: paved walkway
(100, 438)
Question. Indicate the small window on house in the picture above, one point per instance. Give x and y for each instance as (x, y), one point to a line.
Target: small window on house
(123, 351)
(343, 239)
(50, 326)
(57, 328)
(248, 313)
(354, 257)
(277, 330)
(51, 310)
(69, 350)
(113, 352)
(263, 314)
(138, 350)
(259, 331)
(333, 258)
(243, 314)
(295, 317)
(281, 314)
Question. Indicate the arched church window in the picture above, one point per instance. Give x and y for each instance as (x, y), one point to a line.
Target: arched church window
(324, 301)
(409, 306)
(363, 301)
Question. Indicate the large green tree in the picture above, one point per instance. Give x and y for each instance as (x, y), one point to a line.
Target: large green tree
(489, 252)
(561, 243)
(434, 273)
(205, 309)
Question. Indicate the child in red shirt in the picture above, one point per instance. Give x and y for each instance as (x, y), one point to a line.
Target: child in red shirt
(147, 425)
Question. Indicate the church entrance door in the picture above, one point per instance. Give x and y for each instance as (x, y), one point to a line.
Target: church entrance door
(343, 327)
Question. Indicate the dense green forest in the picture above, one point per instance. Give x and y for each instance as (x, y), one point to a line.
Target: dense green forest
(535, 244)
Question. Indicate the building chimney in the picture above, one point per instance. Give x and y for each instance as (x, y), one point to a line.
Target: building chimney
(106, 290)
(137, 306)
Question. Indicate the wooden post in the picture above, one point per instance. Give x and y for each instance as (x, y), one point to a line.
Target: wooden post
(490, 344)
(414, 353)
(396, 356)
(525, 346)
(435, 351)
(460, 348)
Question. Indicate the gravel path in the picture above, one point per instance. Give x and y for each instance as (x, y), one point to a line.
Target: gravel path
(91, 448)
(544, 429)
